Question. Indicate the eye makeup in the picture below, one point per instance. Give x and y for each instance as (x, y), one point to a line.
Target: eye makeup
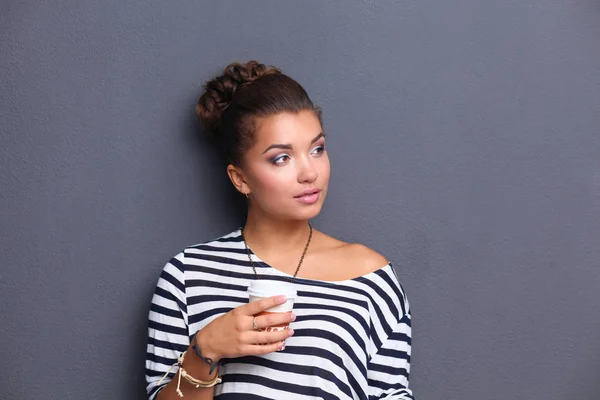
(320, 148)
(281, 159)
(275, 160)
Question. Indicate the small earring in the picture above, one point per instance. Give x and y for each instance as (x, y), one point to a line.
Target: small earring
(247, 195)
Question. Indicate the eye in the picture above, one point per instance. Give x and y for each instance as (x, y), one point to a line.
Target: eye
(280, 160)
(318, 150)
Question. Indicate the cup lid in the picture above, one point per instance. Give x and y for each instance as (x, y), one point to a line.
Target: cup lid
(266, 288)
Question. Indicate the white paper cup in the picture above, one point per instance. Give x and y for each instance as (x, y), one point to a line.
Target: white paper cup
(261, 289)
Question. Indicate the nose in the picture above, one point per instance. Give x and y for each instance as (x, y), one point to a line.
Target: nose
(307, 171)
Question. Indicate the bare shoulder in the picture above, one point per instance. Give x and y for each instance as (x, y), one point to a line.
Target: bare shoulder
(367, 259)
(360, 258)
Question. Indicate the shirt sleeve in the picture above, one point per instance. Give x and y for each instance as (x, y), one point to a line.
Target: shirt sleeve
(167, 326)
(389, 367)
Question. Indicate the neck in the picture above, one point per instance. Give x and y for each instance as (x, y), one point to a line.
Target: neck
(268, 236)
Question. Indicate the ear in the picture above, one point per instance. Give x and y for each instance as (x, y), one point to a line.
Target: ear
(236, 175)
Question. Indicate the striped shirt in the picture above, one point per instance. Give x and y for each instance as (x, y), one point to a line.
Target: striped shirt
(352, 338)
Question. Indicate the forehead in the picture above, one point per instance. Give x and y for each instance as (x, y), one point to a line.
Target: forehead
(287, 128)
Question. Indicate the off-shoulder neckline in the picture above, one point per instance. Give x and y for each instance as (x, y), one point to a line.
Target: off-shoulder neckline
(257, 260)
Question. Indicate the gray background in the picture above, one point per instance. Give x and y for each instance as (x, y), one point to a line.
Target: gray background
(465, 147)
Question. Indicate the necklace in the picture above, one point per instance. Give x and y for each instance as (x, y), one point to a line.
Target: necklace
(301, 258)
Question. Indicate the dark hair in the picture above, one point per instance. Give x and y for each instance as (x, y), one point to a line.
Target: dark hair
(231, 103)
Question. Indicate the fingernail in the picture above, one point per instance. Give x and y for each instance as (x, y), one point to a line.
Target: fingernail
(293, 317)
(290, 332)
(282, 299)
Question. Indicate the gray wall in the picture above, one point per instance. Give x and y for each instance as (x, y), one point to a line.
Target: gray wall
(465, 146)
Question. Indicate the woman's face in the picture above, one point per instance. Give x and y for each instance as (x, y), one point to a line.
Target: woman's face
(287, 169)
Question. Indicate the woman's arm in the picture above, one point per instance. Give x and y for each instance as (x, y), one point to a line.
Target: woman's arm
(168, 334)
(389, 367)
(168, 338)
(195, 367)
(229, 335)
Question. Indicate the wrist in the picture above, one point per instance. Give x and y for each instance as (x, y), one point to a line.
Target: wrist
(200, 346)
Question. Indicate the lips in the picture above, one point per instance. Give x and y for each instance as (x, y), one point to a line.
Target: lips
(307, 193)
(308, 197)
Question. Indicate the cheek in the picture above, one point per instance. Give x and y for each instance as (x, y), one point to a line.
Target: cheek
(269, 181)
(324, 169)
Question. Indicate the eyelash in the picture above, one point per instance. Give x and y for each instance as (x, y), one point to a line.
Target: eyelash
(275, 160)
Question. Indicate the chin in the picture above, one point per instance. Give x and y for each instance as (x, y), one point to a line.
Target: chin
(304, 213)
(309, 212)
(310, 215)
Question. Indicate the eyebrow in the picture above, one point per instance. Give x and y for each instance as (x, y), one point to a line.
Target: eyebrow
(289, 146)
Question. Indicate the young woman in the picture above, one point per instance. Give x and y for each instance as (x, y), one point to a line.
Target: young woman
(350, 329)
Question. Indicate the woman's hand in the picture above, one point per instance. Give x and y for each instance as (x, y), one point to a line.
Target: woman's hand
(233, 335)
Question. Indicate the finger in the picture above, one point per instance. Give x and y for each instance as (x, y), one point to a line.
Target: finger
(274, 319)
(261, 349)
(268, 337)
(261, 305)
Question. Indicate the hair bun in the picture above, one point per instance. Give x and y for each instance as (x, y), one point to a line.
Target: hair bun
(220, 92)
